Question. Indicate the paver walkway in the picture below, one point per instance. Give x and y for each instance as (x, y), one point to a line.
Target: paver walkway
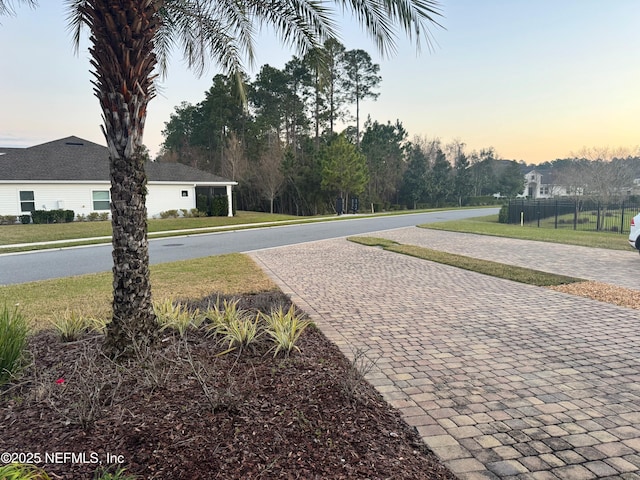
(617, 267)
(501, 380)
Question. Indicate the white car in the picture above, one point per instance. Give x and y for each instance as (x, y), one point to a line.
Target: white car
(634, 233)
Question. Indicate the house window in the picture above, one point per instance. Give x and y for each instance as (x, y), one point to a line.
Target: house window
(27, 201)
(101, 200)
(185, 193)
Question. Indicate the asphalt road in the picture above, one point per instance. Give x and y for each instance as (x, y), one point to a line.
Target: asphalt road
(65, 262)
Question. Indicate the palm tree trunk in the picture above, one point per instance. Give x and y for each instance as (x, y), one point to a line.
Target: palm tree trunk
(133, 323)
(122, 35)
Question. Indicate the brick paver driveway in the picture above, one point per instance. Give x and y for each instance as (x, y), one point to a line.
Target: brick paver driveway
(502, 380)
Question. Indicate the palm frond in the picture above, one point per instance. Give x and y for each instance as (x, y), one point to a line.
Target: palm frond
(380, 18)
(302, 24)
(206, 30)
(7, 6)
(76, 20)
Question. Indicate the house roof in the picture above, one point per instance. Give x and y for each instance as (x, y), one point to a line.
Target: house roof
(76, 159)
(546, 173)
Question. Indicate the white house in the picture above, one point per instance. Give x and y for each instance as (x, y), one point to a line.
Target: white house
(539, 184)
(73, 174)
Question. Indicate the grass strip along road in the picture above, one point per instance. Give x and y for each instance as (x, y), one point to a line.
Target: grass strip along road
(495, 269)
(489, 226)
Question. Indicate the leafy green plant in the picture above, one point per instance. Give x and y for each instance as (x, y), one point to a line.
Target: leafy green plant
(72, 324)
(118, 474)
(13, 339)
(285, 329)
(21, 471)
(176, 316)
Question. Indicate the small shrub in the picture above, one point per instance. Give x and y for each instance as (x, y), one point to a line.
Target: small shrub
(184, 213)
(169, 214)
(53, 216)
(39, 216)
(25, 219)
(8, 219)
(103, 216)
(13, 339)
(285, 329)
(219, 206)
(71, 325)
(81, 218)
(194, 212)
(503, 216)
(21, 471)
(93, 216)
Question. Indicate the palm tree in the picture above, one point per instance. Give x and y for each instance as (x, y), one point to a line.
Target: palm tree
(130, 42)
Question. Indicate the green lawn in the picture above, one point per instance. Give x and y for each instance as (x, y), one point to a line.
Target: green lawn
(12, 234)
(489, 226)
(91, 294)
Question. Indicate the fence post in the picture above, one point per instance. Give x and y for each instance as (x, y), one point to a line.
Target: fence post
(575, 214)
(598, 218)
(622, 217)
(556, 222)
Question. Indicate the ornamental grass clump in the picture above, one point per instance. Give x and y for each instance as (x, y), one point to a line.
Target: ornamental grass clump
(236, 327)
(241, 332)
(118, 474)
(285, 329)
(71, 325)
(13, 340)
(176, 316)
(20, 471)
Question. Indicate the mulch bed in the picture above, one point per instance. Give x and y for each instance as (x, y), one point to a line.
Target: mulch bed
(185, 412)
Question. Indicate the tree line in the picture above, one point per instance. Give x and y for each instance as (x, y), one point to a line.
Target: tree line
(283, 145)
(604, 173)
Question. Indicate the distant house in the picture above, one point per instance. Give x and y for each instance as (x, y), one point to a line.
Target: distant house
(539, 183)
(73, 174)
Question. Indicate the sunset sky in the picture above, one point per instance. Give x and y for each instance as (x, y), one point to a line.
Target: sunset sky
(536, 80)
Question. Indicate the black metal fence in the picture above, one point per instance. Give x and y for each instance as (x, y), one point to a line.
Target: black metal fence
(576, 214)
